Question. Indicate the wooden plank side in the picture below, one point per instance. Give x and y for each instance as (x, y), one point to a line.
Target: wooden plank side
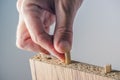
(50, 68)
(52, 72)
(32, 67)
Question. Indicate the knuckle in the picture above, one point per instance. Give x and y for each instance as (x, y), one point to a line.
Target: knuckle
(36, 39)
(65, 30)
(64, 34)
(20, 44)
(19, 5)
(41, 37)
(29, 6)
(21, 41)
(25, 6)
(23, 9)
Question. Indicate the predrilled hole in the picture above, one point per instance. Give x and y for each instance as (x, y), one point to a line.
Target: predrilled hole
(49, 58)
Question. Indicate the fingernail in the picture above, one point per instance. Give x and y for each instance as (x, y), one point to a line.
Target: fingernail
(64, 46)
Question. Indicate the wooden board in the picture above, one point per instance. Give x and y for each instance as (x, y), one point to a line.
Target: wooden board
(50, 68)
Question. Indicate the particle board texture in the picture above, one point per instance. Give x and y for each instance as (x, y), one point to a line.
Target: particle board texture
(50, 68)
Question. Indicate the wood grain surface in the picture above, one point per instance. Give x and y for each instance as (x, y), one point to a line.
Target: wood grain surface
(50, 68)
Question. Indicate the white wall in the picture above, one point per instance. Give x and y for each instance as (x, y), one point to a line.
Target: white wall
(96, 37)
(14, 63)
(97, 33)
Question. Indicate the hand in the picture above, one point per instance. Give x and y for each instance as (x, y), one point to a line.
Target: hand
(35, 19)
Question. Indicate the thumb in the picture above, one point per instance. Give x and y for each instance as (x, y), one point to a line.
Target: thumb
(65, 14)
(63, 39)
(63, 31)
(65, 11)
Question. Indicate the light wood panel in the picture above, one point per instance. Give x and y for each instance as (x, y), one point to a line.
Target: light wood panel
(50, 68)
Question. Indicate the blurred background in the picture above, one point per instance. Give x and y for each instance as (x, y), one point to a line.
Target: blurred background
(96, 38)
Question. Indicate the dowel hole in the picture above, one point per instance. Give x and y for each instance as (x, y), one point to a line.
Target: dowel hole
(49, 58)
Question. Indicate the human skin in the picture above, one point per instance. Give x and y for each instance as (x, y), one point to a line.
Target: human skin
(35, 19)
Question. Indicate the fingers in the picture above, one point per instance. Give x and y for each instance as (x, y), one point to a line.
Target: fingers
(63, 38)
(65, 14)
(24, 40)
(37, 25)
(63, 30)
(34, 19)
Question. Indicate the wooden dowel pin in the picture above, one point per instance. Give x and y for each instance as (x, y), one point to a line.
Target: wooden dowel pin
(108, 68)
(67, 58)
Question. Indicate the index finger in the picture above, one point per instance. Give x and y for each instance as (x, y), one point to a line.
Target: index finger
(33, 16)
